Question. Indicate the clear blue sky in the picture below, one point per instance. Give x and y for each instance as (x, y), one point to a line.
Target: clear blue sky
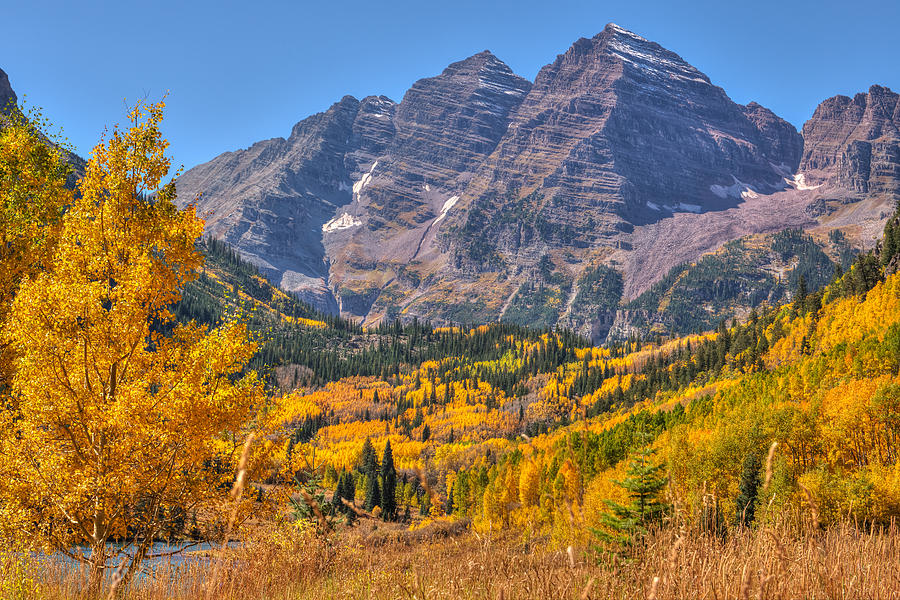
(238, 72)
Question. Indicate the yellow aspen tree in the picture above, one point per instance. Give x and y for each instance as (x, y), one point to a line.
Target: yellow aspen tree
(491, 504)
(509, 493)
(120, 413)
(33, 195)
(571, 486)
(530, 483)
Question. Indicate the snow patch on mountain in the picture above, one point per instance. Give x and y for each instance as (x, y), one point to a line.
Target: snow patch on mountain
(798, 181)
(447, 206)
(738, 189)
(364, 180)
(650, 58)
(344, 221)
(692, 208)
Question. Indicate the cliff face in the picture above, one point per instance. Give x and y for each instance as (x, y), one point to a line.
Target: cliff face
(855, 143)
(482, 196)
(443, 128)
(619, 132)
(619, 119)
(271, 200)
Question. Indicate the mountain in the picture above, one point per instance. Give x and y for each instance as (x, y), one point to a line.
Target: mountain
(855, 143)
(9, 107)
(445, 127)
(482, 196)
(7, 95)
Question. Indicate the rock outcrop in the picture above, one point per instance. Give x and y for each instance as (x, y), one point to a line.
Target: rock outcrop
(854, 143)
(444, 128)
(619, 132)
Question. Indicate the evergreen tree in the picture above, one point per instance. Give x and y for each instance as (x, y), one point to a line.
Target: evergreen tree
(644, 482)
(800, 298)
(368, 462)
(745, 505)
(425, 505)
(338, 495)
(888, 243)
(388, 484)
(310, 486)
(350, 488)
(349, 496)
(373, 492)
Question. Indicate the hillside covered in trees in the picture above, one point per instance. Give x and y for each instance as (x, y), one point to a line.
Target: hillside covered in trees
(512, 427)
(795, 411)
(145, 372)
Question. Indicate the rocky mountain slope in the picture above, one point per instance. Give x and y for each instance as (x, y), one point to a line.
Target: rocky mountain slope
(7, 95)
(481, 196)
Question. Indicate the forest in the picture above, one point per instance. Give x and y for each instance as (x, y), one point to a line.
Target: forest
(156, 388)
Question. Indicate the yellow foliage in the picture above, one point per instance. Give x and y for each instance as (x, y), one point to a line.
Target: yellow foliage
(33, 195)
(110, 413)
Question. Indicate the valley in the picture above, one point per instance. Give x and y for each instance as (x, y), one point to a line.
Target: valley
(603, 333)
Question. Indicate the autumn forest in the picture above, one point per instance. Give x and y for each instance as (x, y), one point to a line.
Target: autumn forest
(161, 398)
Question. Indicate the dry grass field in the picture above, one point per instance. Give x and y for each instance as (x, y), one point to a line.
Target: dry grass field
(282, 563)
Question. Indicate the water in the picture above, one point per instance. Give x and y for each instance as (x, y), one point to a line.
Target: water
(175, 553)
(162, 558)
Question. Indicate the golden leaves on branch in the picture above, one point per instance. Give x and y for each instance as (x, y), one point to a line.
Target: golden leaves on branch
(117, 406)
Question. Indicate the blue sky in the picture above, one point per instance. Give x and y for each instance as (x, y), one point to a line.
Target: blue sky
(238, 72)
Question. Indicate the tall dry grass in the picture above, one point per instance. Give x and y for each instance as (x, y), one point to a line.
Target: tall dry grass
(842, 562)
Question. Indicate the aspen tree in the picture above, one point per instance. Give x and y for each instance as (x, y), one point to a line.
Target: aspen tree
(119, 412)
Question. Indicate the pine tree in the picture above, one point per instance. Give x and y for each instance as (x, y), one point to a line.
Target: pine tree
(368, 462)
(745, 505)
(389, 484)
(350, 488)
(644, 482)
(888, 248)
(373, 492)
(800, 298)
(338, 495)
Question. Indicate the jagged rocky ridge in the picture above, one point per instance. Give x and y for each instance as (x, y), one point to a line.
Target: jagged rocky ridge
(482, 196)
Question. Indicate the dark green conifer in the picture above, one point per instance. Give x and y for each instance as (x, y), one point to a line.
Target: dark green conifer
(373, 492)
(388, 484)
(745, 505)
(644, 483)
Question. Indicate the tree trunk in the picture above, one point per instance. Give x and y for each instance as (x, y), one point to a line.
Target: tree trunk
(139, 556)
(97, 568)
